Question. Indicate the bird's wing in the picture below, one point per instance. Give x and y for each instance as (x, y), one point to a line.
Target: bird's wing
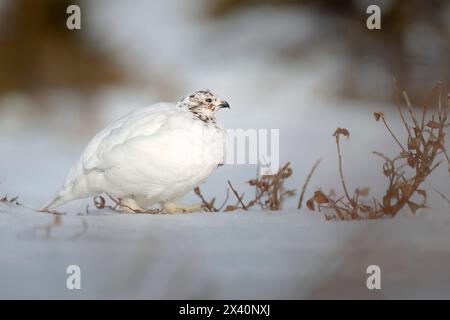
(142, 122)
(181, 151)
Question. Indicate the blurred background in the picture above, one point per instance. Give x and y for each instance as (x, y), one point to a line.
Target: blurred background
(305, 67)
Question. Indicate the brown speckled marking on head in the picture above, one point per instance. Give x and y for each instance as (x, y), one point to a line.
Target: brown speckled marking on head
(203, 104)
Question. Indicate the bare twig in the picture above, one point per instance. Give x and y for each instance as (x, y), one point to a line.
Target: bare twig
(338, 132)
(119, 203)
(392, 133)
(305, 185)
(237, 196)
(443, 196)
(208, 206)
(224, 201)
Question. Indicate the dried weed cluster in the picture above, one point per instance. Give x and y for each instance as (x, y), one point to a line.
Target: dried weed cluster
(270, 193)
(422, 152)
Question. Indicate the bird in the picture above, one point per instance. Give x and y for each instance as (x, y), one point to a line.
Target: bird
(153, 155)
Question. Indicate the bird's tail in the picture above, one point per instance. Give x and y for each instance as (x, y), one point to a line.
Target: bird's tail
(73, 188)
(61, 198)
(55, 202)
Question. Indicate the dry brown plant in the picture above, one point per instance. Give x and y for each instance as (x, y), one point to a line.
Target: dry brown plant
(422, 152)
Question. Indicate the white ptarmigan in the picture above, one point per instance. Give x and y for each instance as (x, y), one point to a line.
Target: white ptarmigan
(152, 155)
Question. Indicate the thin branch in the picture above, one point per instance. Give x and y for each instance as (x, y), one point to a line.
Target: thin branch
(399, 108)
(204, 202)
(225, 201)
(392, 133)
(237, 196)
(305, 185)
(428, 101)
(443, 196)
(340, 169)
(120, 204)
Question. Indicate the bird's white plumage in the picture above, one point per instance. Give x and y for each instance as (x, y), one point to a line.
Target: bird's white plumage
(153, 155)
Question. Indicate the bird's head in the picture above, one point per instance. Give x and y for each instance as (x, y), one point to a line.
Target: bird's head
(204, 104)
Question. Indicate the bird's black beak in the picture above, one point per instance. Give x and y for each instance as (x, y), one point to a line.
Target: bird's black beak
(224, 105)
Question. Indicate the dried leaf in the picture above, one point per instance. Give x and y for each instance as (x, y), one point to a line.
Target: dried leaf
(319, 197)
(341, 131)
(404, 154)
(423, 193)
(310, 204)
(229, 208)
(413, 206)
(388, 171)
(378, 115)
(252, 203)
(363, 192)
(411, 162)
(99, 202)
(407, 189)
(413, 143)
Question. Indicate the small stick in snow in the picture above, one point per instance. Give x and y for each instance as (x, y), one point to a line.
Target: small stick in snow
(204, 202)
(443, 196)
(305, 185)
(237, 196)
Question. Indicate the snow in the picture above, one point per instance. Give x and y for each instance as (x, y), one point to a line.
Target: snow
(241, 255)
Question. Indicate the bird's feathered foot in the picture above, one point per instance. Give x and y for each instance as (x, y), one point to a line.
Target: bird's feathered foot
(129, 205)
(171, 207)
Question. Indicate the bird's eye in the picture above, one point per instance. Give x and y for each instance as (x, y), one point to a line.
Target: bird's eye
(208, 100)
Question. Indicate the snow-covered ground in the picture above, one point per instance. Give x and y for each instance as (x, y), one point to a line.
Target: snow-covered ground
(289, 254)
(241, 255)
